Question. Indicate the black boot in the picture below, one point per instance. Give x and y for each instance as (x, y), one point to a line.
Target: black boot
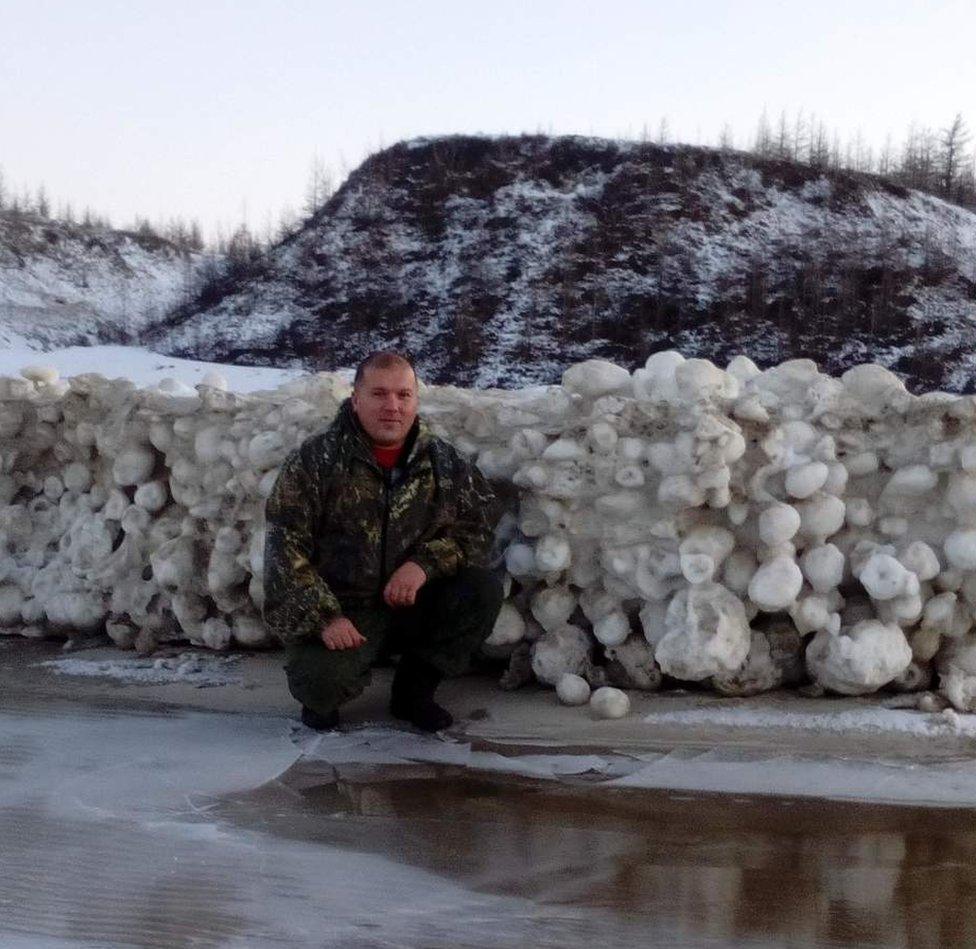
(412, 696)
(319, 722)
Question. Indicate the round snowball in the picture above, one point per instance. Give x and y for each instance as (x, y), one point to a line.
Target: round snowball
(134, 466)
(778, 523)
(77, 477)
(609, 702)
(776, 584)
(885, 578)
(612, 629)
(152, 496)
(804, 480)
(44, 374)
(913, 480)
(822, 516)
(552, 553)
(823, 567)
(960, 549)
(596, 377)
(572, 689)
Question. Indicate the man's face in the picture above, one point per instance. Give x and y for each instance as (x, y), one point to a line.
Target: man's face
(385, 402)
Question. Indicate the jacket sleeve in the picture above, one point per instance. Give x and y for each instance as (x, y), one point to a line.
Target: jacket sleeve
(297, 601)
(465, 541)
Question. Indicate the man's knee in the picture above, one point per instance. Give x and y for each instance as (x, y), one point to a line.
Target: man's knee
(324, 679)
(475, 590)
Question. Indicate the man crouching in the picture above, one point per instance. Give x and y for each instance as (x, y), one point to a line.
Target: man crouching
(378, 534)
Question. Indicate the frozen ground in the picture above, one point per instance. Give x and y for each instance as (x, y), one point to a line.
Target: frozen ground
(163, 814)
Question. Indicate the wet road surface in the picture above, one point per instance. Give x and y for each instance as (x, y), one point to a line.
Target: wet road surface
(159, 828)
(640, 867)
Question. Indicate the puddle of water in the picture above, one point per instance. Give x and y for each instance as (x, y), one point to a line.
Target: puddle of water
(651, 867)
(111, 885)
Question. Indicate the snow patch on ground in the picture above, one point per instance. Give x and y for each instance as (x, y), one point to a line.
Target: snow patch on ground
(192, 668)
(872, 720)
(142, 366)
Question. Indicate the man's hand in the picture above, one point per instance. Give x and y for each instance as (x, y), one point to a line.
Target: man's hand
(401, 589)
(341, 634)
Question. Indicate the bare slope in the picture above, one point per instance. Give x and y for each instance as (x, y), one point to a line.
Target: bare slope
(502, 261)
(63, 284)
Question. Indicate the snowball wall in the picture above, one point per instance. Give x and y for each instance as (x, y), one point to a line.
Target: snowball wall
(738, 527)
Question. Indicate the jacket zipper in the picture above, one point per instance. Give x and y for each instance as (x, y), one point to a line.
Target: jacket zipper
(386, 521)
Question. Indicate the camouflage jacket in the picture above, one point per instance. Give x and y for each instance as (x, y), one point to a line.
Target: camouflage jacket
(338, 525)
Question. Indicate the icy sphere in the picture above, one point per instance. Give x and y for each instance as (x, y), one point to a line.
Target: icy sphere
(872, 388)
(565, 649)
(823, 567)
(778, 523)
(776, 584)
(822, 516)
(75, 610)
(151, 496)
(656, 382)
(520, 560)
(552, 553)
(133, 466)
(215, 379)
(207, 442)
(77, 477)
(250, 631)
(596, 377)
(804, 480)
(707, 633)
(612, 629)
(573, 689)
(912, 481)
(552, 606)
(47, 375)
(960, 549)
(743, 368)
(885, 578)
(608, 702)
(700, 379)
(266, 449)
(860, 660)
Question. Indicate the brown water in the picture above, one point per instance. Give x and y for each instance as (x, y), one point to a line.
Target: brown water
(648, 867)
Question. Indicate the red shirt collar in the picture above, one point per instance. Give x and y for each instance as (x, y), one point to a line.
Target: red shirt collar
(387, 457)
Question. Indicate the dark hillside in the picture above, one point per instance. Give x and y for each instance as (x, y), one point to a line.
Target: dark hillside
(501, 261)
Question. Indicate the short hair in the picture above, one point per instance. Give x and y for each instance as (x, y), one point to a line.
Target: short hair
(383, 359)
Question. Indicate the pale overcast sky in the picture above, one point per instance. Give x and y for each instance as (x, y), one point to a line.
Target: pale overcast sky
(215, 110)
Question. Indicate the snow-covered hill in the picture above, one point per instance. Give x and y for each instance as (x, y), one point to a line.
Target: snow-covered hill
(63, 284)
(500, 261)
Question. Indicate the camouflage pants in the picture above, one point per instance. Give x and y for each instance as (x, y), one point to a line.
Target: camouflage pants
(447, 624)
